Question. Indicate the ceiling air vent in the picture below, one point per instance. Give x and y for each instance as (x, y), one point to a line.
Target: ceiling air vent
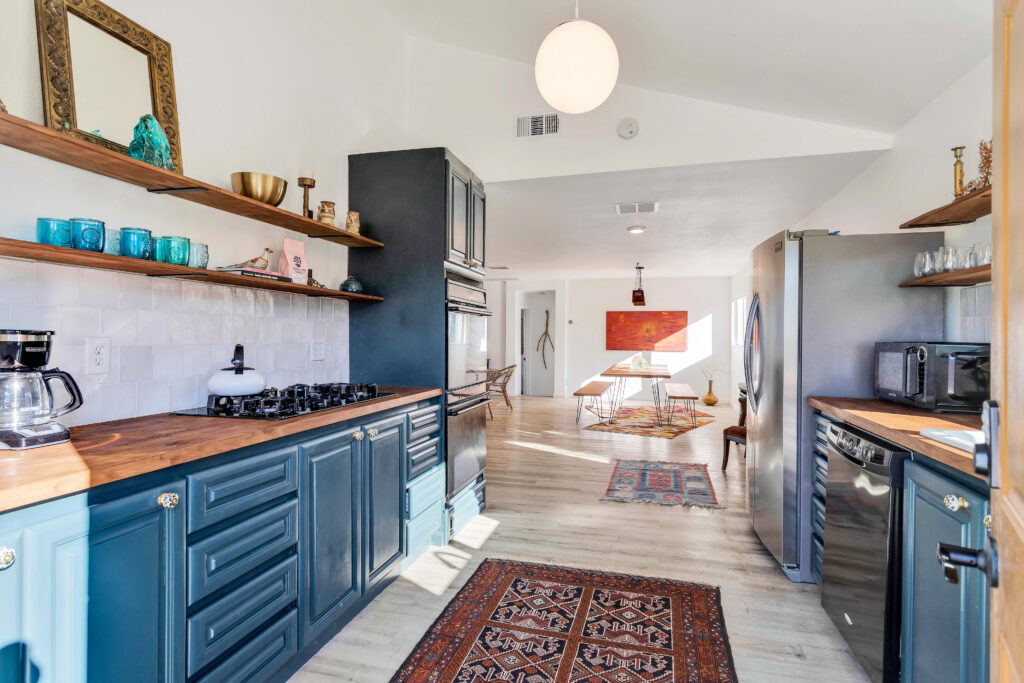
(537, 125)
(636, 207)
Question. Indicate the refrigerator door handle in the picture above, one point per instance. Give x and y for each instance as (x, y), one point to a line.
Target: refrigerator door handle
(753, 383)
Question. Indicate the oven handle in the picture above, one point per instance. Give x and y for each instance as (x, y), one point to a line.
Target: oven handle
(470, 310)
(463, 411)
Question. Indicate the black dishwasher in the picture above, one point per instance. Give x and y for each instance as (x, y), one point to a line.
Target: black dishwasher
(863, 532)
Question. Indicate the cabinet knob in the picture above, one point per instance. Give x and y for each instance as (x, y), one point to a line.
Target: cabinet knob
(359, 436)
(168, 501)
(374, 432)
(7, 557)
(987, 522)
(955, 503)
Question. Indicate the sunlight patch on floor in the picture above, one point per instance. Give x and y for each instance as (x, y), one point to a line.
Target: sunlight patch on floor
(560, 451)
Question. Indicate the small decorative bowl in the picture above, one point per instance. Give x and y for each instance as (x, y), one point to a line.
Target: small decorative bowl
(262, 187)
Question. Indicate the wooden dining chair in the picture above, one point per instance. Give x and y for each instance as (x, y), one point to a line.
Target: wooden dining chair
(497, 385)
(735, 434)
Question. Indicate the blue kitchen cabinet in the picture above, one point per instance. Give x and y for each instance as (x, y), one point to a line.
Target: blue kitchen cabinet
(97, 591)
(384, 505)
(945, 611)
(331, 529)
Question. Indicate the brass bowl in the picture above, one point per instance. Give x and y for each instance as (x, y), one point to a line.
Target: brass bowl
(262, 187)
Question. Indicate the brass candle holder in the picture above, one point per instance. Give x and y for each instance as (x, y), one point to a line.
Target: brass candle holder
(958, 172)
(306, 184)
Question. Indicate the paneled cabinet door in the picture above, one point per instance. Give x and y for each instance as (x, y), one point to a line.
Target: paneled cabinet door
(945, 610)
(136, 579)
(458, 215)
(330, 527)
(478, 221)
(384, 474)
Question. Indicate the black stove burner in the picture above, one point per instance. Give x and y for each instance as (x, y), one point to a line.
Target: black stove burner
(292, 401)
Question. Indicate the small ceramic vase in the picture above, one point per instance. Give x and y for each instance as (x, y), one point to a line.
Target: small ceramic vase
(325, 214)
(352, 221)
(351, 285)
(87, 234)
(709, 398)
(55, 231)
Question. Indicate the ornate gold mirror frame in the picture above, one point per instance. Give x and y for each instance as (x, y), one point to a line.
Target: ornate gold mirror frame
(55, 64)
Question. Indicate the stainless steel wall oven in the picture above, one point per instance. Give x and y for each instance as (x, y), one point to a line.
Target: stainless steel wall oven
(466, 377)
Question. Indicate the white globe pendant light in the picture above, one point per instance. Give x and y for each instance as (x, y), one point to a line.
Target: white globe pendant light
(576, 66)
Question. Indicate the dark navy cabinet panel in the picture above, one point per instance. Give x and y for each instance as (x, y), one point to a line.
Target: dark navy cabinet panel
(217, 628)
(331, 516)
(217, 493)
(945, 624)
(459, 230)
(136, 560)
(385, 496)
(423, 422)
(216, 561)
(262, 656)
(423, 456)
(478, 228)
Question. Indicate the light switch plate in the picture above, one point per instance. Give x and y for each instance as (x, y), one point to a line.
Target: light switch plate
(318, 350)
(97, 356)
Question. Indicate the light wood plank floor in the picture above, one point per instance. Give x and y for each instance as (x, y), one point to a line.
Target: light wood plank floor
(545, 475)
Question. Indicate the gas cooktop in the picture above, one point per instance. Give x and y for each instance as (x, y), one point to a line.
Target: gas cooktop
(292, 401)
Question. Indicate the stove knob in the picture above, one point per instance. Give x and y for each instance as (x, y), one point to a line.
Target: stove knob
(7, 557)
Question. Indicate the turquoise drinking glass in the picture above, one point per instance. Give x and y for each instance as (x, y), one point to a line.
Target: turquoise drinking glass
(162, 250)
(112, 243)
(198, 255)
(55, 231)
(171, 249)
(87, 234)
(136, 242)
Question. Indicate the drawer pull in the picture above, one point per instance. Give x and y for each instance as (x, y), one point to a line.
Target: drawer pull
(168, 501)
(7, 557)
(955, 503)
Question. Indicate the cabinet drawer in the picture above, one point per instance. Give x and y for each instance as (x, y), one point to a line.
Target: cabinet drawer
(423, 422)
(222, 492)
(216, 561)
(425, 491)
(424, 530)
(423, 456)
(465, 506)
(219, 627)
(818, 515)
(262, 656)
(817, 556)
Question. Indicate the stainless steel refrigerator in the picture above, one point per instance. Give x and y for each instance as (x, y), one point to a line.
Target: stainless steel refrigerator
(819, 304)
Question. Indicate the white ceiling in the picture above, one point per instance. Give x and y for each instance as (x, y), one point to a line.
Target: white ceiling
(863, 63)
(710, 216)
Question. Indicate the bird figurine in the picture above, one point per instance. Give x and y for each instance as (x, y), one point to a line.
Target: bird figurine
(260, 262)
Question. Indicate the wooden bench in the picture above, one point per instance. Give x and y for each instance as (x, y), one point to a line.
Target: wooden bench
(679, 391)
(594, 391)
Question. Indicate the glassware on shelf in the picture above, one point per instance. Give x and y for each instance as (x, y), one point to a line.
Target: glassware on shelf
(920, 262)
(944, 260)
(982, 254)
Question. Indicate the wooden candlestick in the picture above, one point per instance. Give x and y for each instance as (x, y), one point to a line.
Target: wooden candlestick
(305, 184)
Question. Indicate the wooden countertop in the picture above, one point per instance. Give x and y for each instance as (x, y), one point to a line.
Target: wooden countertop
(902, 424)
(110, 451)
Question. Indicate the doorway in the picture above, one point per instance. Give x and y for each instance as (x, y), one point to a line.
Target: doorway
(536, 343)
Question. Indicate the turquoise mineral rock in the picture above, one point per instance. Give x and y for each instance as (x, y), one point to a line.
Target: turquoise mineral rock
(149, 143)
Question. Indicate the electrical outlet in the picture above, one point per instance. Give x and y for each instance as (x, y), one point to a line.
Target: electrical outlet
(318, 350)
(97, 355)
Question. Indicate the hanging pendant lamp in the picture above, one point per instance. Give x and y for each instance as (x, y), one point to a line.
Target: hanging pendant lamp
(638, 287)
(576, 66)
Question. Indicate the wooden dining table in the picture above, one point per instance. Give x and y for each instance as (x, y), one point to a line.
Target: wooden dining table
(621, 372)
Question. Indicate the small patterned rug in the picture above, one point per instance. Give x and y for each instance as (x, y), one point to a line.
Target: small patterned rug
(643, 421)
(535, 623)
(661, 483)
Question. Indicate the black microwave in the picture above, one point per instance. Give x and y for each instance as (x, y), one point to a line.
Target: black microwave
(936, 376)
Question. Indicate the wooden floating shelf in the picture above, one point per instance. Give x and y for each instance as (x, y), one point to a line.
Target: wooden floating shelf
(29, 137)
(126, 264)
(956, 278)
(966, 209)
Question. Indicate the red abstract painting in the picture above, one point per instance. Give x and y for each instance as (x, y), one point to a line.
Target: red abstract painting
(645, 331)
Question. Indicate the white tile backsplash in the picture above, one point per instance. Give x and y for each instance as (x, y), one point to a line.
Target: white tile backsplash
(975, 314)
(167, 336)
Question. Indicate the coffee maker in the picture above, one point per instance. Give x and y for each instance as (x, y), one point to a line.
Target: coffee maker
(26, 402)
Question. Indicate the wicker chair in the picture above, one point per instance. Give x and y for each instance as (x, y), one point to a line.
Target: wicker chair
(497, 385)
(736, 434)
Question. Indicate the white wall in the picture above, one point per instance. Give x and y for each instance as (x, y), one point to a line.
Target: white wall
(539, 378)
(496, 323)
(245, 102)
(706, 301)
(474, 115)
(740, 286)
(917, 175)
(516, 293)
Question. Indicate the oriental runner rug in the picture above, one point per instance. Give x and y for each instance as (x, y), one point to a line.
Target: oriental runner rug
(535, 623)
(643, 421)
(661, 483)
